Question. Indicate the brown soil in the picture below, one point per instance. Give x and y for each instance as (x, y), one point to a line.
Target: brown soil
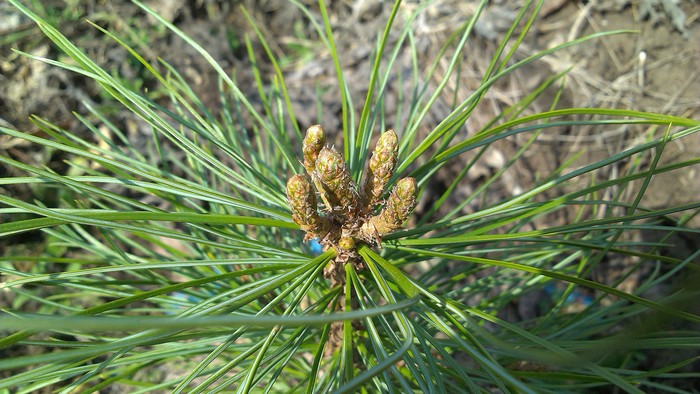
(606, 73)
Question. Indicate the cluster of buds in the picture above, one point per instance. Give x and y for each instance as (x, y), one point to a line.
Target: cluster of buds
(347, 215)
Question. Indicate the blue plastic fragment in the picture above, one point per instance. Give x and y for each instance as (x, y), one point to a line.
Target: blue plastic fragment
(315, 246)
(575, 297)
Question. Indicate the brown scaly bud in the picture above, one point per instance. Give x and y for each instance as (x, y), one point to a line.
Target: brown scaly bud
(313, 143)
(302, 201)
(398, 208)
(381, 168)
(339, 191)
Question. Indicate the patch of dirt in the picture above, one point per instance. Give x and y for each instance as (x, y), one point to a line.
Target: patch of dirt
(653, 69)
(606, 72)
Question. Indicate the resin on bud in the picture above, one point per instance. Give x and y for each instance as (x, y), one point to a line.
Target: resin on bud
(339, 191)
(302, 201)
(398, 208)
(381, 168)
(314, 140)
(346, 243)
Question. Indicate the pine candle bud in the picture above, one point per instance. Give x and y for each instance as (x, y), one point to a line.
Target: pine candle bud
(313, 142)
(398, 208)
(381, 168)
(341, 191)
(302, 201)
